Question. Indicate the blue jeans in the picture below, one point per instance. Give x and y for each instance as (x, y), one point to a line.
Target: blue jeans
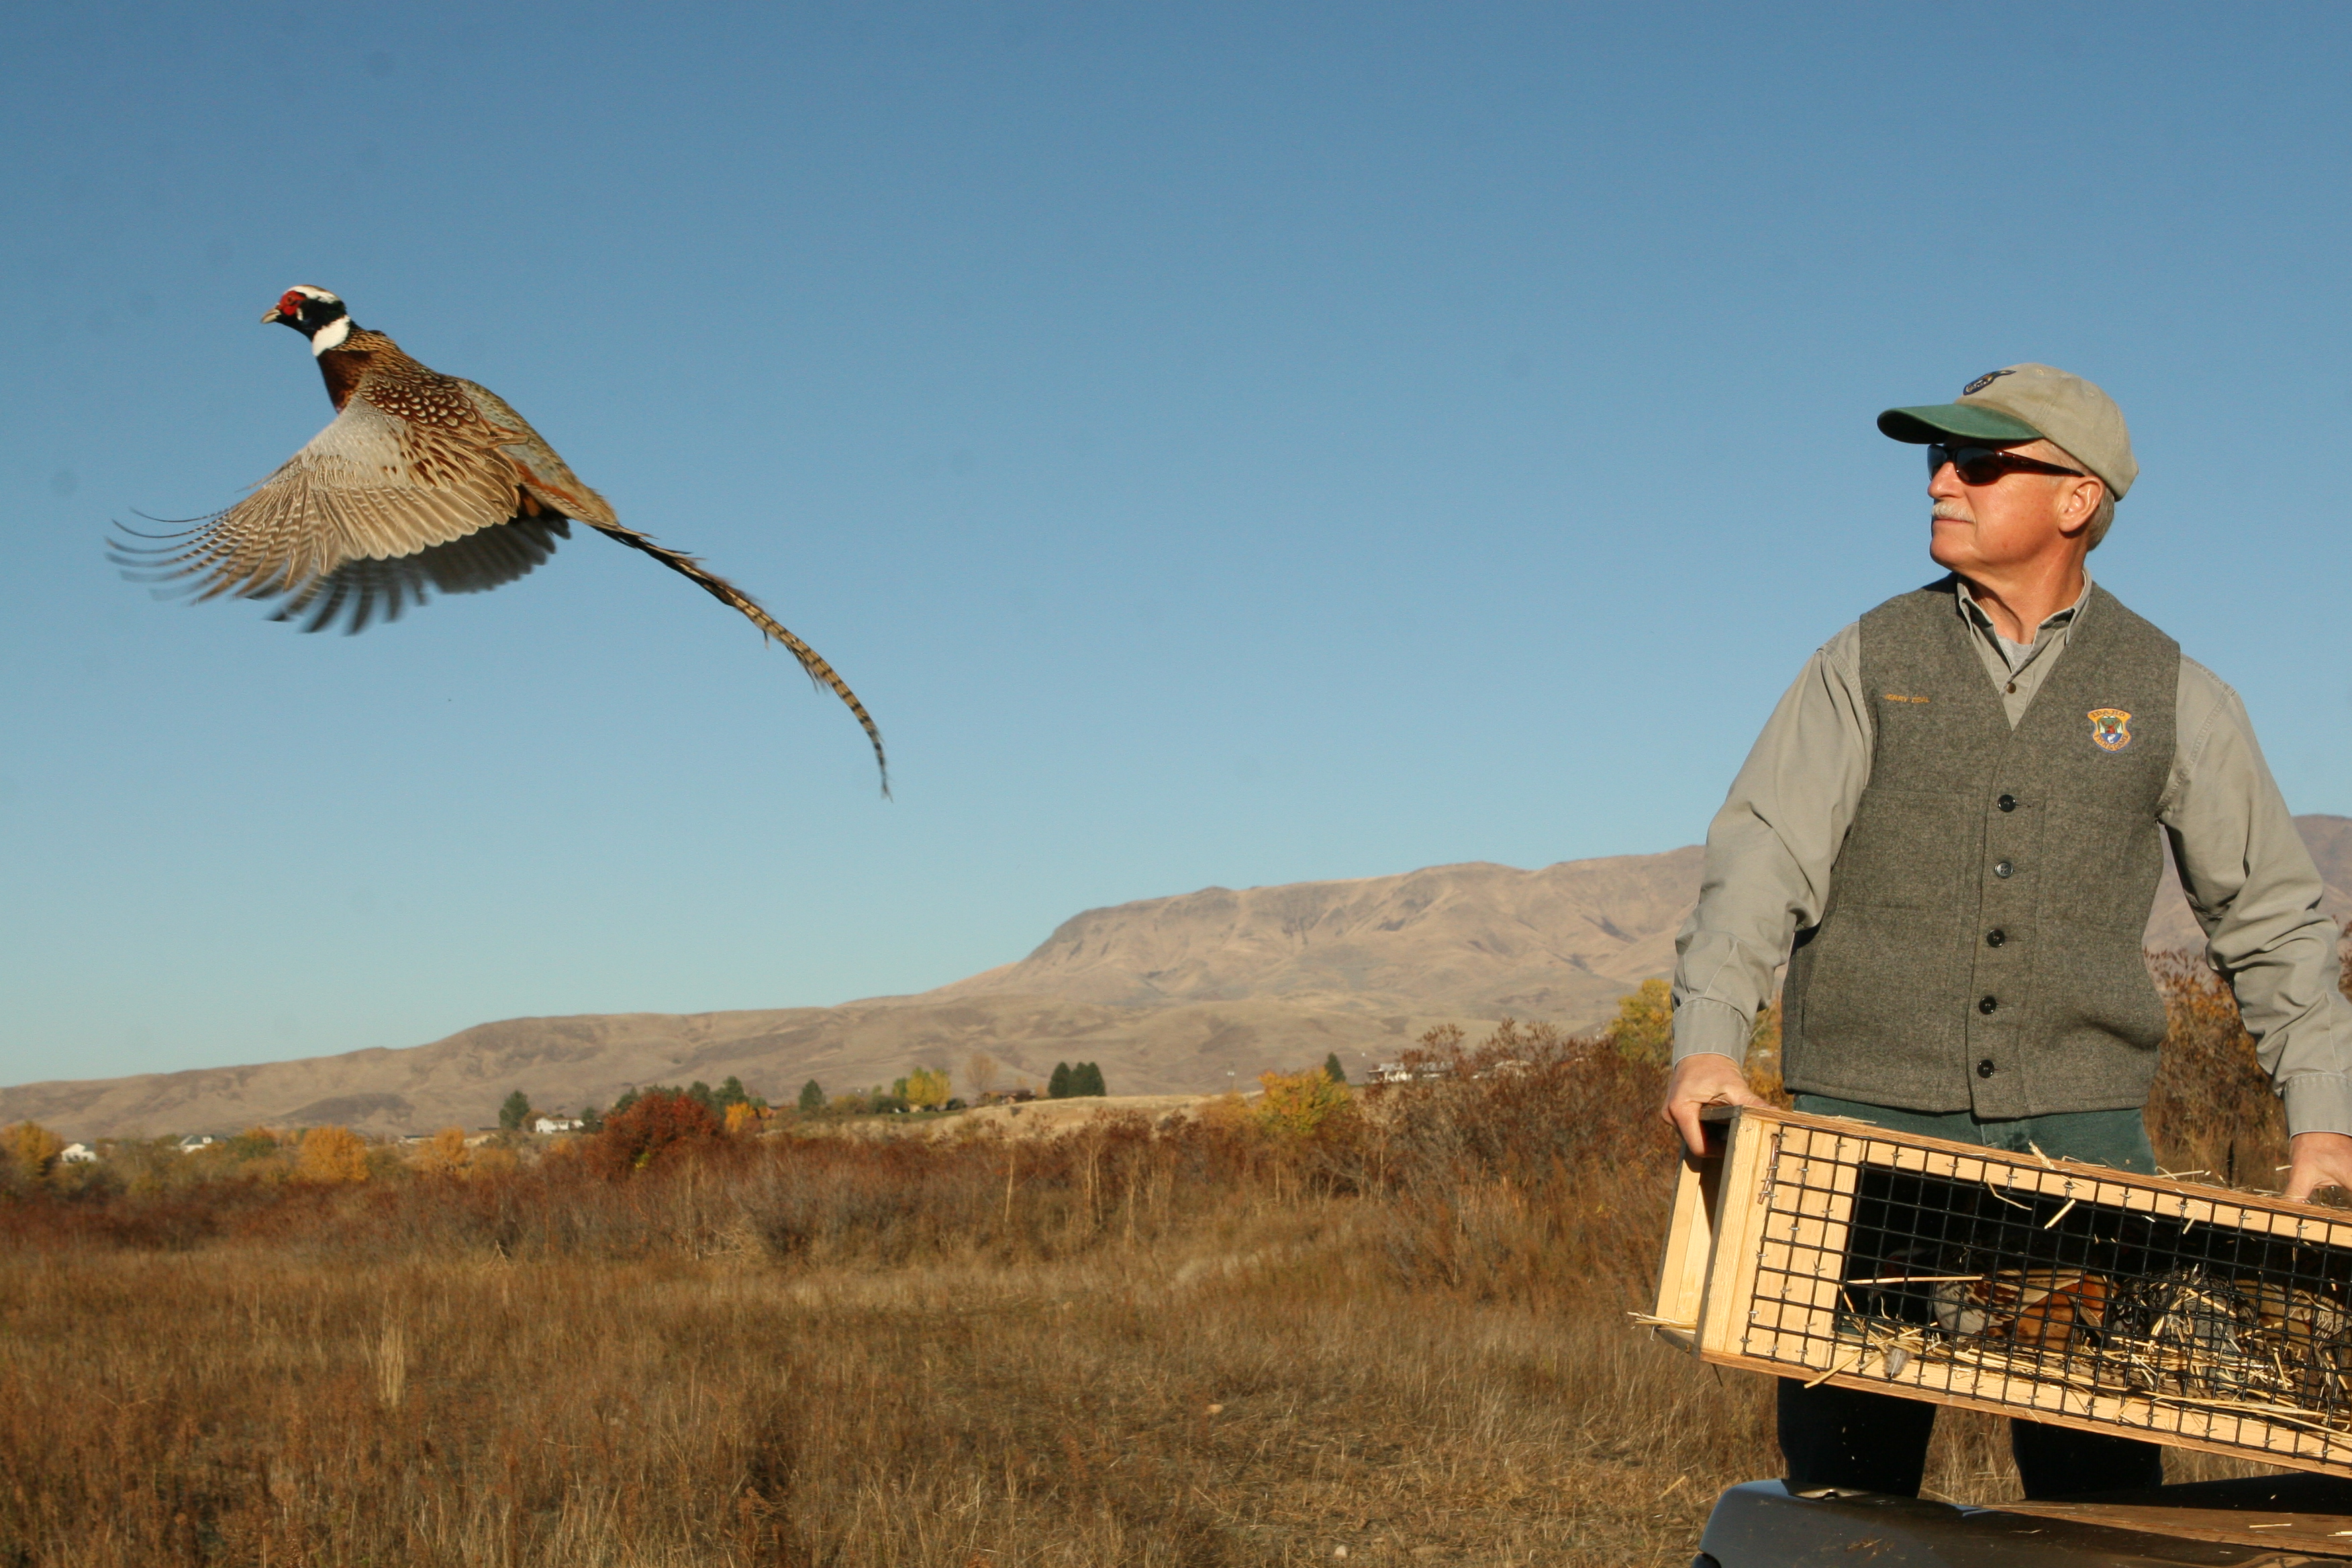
(1876, 1442)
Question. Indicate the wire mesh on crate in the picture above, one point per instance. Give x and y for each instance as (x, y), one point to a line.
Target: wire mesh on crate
(2044, 1289)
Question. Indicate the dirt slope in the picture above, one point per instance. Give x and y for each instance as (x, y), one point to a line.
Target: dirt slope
(1180, 994)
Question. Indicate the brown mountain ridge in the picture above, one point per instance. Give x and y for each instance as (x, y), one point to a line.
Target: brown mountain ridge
(1190, 993)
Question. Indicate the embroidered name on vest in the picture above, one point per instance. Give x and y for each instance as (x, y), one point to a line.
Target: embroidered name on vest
(1898, 697)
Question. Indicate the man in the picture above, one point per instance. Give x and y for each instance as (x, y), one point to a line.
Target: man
(1951, 820)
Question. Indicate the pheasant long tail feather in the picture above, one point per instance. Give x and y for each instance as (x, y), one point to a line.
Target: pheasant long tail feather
(726, 592)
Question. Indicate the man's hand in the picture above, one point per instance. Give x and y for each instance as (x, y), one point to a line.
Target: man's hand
(2321, 1160)
(1708, 1079)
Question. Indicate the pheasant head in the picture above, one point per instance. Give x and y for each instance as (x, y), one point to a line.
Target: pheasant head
(313, 312)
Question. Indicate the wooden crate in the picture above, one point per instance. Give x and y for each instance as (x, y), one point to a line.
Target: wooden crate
(1825, 1250)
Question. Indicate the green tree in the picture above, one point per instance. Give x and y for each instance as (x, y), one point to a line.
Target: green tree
(1058, 1086)
(732, 1093)
(811, 1098)
(1644, 1029)
(1331, 1066)
(514, 1114)
(1087, 1079)
(700, 1092)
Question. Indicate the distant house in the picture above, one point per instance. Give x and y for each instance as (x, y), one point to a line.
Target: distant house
(557, 1124)
(1008, 1096)
(78, 1154)
(195, 1140)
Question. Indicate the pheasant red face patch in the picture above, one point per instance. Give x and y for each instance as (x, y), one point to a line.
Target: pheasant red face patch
(290, 303)
(2110, 728)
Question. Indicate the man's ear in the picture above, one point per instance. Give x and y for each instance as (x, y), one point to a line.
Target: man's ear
(2079, 504)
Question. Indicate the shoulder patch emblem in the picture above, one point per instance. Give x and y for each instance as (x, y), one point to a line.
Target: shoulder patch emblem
(1987, 379)
(2110, 728)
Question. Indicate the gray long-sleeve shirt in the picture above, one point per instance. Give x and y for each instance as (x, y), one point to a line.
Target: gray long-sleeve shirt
(2249, 878)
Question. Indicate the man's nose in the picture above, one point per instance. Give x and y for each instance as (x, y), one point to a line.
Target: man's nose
(1944, 484)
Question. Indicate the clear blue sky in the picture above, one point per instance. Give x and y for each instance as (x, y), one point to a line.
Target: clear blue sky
(1222, 444)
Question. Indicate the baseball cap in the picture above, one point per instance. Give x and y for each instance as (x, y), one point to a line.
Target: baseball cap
(2026, 403)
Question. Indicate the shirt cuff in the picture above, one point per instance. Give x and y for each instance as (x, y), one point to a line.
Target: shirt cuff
(2315, 1101)
(1707, 1027)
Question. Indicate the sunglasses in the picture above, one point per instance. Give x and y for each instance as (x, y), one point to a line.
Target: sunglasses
(1985, 465)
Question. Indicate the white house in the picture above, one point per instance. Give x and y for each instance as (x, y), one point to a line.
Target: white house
(557, 1124)
(78, 1154)
(195, 1140)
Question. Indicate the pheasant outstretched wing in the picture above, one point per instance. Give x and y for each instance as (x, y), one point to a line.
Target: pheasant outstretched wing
(359, 592)
(367, 488)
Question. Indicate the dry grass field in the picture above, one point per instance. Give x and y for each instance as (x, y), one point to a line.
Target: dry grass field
(1391, 1332)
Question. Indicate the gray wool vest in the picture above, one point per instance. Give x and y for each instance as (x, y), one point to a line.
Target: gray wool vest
(1980, 946)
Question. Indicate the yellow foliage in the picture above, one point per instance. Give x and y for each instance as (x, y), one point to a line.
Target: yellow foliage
(1644, 1029)
(741, 1118)
(1229, 1113)
(32, 1149)
(493, 1161)
(1299, 1103)
(446, 1156)
(927, 1088)
(331, 1155)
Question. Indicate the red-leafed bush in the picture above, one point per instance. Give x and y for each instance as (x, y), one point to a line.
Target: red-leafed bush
(653, 1127)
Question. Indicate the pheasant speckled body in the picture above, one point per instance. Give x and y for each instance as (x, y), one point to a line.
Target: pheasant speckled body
(422, 482)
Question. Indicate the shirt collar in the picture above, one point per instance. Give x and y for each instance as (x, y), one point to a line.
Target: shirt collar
(1983, 622)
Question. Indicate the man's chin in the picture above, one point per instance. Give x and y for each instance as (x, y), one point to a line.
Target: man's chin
(1947, 547)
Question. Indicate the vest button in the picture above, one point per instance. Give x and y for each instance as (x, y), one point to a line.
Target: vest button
(1988, 1005)
(1995, 937)
(2007, 803)
(1984, 1067)
(2002, 868)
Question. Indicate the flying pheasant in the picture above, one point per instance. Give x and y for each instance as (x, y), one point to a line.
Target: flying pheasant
(422, 481)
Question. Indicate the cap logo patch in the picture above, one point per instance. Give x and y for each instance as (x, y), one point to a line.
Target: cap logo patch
(2110, 728)
(1987, 379)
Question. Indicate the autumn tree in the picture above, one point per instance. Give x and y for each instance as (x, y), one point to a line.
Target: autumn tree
(31, 1150)
(1301, 1104)
(660, 1122)
(1644, 1029)
(331, 1156)
(927, 1089)
(743, 1117)
(514, 1114)
(445, 1155)
(811, 1098)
